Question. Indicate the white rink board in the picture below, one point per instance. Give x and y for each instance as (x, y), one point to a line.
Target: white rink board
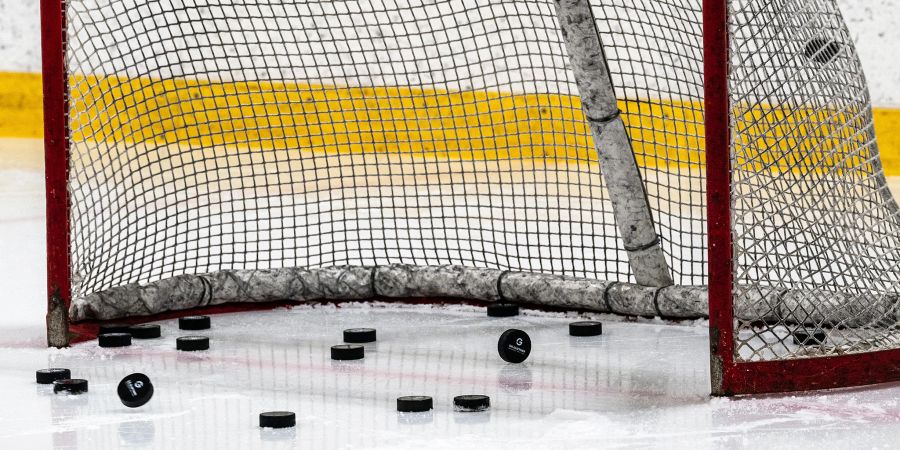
(873, 24)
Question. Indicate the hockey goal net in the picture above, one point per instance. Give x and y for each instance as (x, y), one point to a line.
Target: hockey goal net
(677, 158)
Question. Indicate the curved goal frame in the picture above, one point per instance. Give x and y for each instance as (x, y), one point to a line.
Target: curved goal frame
(730, 376)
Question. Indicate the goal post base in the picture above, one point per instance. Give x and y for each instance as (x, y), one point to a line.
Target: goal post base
(401, 281)
(805, 374)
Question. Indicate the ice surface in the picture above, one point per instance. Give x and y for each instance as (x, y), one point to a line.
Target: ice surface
(642, 384)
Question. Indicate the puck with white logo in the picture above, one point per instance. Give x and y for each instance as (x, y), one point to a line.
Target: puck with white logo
(586, 328)
(108, 328)
(192, 343)
(514, 346)
(114, 340)
(145, 331)
(415, 403)
(194, 323)
(471, 403)
(135, 390)
(346, 352)
(48, 376)
(70, 386)
(804, 336)
(277, 419)
(502, 310)
(359, 335)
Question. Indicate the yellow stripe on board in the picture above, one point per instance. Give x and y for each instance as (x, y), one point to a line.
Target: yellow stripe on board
(471, 125)
(887, 128)
(21, 105)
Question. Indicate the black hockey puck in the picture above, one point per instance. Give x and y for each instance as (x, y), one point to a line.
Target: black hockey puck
(48, 376)
(114, 340)
(587, 328)
(135, 390)
(277, 419)
(502, 310)
(70, 386)
(108, 328)
(415, 403)
(471, 403)
(345, 352)
(822, 50)
(194, 323)
(192, 343)
(145, 331)
(514, 346)
(359, 335)
(803, 336)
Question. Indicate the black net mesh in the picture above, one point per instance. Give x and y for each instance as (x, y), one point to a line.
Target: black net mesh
(211, 135)
(254, 134)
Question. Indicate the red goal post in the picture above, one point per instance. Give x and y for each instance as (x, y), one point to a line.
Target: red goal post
(730, 375)
(781, 117)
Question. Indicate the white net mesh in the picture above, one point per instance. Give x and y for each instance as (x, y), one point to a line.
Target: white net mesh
(813, 216)
(212, 135)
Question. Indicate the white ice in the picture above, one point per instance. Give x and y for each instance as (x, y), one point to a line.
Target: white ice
(642, 384)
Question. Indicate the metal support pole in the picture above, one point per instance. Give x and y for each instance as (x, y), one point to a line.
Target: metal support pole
(617, 161)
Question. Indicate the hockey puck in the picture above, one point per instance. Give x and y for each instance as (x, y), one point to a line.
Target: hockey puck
(114, 340)
(194, 323)
(514, 346)
(584, 329)
(277, 419)
(48, 376)
(145, 331)
(135, 390)
(803, 336)
(822, 50)
(502, 310)
(415, 403)
(70, 386)
(359, 335)
(346, 352)
(471, 403)
(192, 343)
(109, 328)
